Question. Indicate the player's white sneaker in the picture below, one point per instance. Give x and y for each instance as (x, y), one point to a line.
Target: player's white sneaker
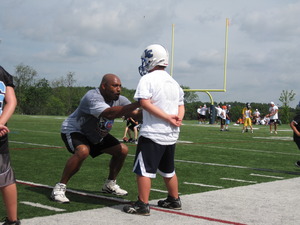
(58, 193)
(111, 187)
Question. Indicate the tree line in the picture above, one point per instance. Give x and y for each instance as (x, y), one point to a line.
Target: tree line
(38, 96)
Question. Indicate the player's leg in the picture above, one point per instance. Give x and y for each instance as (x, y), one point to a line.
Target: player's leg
(144, 186)
(74, 163)
(77, 144)
(9, 194)
(167, 170)
(172, 186)
(118, 151)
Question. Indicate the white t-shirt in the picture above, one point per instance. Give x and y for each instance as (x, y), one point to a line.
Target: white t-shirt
(203, 111)
(272, 110)
(219, 110)
(166, 94)
(223, 114)
(248, 113)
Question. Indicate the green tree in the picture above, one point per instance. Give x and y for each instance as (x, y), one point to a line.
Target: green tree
(37, 97)
(189, 96)
(67, 93)
(23, 79)
(286, 97)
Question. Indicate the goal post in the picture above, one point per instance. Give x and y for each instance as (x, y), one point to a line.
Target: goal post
(207, 91)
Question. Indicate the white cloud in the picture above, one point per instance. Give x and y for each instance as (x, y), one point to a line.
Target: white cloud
(93, 37)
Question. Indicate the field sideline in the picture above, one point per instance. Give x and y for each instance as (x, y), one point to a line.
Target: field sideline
(207, 161)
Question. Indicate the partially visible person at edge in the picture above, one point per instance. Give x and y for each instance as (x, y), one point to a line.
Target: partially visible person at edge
(273, 115)
(295, 125)
(86, 132)
(161, 98)
(8, 185)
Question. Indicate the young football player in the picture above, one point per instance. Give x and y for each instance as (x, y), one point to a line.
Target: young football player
(161, 98)
(8, 186)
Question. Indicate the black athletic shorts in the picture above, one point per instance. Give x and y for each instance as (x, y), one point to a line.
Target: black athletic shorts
(152, 157)
(273, 121)
(74, 139)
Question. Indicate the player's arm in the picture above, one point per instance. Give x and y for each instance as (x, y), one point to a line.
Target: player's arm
(292, 125)
(156, 111)
(10, 105)
(181, 112)
(244, 113)
(129, 110)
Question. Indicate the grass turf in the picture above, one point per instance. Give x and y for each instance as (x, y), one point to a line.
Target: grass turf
(206, 159)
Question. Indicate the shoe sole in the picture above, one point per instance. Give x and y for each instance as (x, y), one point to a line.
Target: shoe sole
(52, 198)
(178, 208)
(134, 212)
(112, 193)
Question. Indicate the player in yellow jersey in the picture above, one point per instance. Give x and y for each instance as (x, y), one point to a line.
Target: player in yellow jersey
(247, 117)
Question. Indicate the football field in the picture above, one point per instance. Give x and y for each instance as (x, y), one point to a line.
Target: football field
(207, 161)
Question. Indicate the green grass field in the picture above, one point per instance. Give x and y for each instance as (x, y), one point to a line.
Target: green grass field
(206, 160)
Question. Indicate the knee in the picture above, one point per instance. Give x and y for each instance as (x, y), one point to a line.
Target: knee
(82, 152)
(123, 150)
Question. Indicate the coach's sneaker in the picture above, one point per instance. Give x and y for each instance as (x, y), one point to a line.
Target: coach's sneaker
(170, 203)
(138, 207)
(58, 193)
(7, 222)
(111, 187)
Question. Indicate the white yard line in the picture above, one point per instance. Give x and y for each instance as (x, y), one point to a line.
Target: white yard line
(38, 205)
(34, 144)
(238, 180)
(158, 190)
(253, 150)
(261, 175)
(203, 185)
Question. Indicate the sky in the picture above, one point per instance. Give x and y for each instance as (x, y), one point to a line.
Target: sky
(91, 38)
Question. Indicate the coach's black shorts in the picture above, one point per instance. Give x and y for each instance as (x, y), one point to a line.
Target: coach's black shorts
(74, 139)
(151, 158)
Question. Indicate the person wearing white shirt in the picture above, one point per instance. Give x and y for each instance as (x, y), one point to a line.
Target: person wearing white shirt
(162, 100)
(273, 115)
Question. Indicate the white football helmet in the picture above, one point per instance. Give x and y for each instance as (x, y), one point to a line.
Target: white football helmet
(153, 55)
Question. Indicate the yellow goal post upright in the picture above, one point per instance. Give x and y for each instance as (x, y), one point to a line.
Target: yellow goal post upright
(207, 91)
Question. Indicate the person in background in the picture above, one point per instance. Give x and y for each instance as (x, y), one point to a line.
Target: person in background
(247, 117)
(86, 132)
(218, 112)
(228, 115)
(162, 100)
(223, 117)
(273, 115)
(203, 112)
(8, 185)
(256, 117)
(199, 114)
(131, 125)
